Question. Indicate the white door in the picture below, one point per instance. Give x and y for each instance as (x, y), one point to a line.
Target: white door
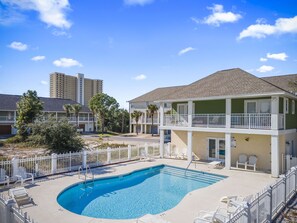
(216, 149)
(250, 107)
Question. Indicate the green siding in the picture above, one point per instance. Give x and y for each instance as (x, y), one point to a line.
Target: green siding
(210, 107)
(281, 105)
(291, 120)
(237, 106)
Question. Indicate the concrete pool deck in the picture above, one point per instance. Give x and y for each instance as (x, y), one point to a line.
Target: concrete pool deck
(47, 210)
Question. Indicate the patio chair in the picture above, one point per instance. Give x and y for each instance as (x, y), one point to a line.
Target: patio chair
(20, 196)
(212, 216)
(252, 162)
(149, 218)
(4, 179)
(216, 164)
(236, 200)
(23, 176)
(242, 160)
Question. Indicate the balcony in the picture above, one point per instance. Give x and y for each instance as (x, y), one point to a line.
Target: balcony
(238, 121)
(149, 120)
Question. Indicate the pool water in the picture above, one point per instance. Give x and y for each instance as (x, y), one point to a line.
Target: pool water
(148, 191)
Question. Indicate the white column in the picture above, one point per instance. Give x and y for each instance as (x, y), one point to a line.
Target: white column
(190, 110)
(190, 142)
(161, 114)
(275, 156)
(274, 112)
(141, 128)
(161, 143)
(228, 151)
(54, 163)
(228, 113)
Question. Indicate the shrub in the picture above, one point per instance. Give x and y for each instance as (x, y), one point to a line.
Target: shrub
(15, 139)
(57, 136)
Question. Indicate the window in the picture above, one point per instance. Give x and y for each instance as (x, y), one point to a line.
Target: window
(293, 107)
(258, 106)
(286, 105)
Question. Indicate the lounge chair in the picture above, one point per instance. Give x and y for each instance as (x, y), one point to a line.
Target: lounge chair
(20, 196)
(242, 160)
(252, 162)
(149, 218)
(4, 179)
(236, 200)
(212, 216)
(23, 176)
(215, 164)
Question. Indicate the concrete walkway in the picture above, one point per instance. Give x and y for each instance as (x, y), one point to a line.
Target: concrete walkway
(242, 183)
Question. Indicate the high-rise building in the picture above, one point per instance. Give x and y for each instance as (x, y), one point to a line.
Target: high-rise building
(77, 88)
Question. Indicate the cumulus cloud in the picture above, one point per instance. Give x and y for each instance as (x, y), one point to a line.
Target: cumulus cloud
(140, 77)
(43, 82)
(67, 62)
(219, 16)
(277, 56)
(186, 50)
(138, 2)
(265, 68)
(263, 59)
(52, 12)
(18, 46)
(38, 58)
(281, 26)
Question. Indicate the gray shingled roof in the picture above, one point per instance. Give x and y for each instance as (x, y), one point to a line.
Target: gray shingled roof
(8, 102)
(157, 94)
(282, 81)
(224, 83)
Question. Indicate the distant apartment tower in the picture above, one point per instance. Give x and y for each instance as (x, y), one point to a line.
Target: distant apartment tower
(76, 88)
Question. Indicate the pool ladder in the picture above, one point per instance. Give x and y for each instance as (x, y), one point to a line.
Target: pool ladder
(194, 158)
(86, 176)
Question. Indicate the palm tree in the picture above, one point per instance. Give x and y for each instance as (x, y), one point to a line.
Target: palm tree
(151, 110)
(76, 109)
(93, 110)
(67, 108)
(136, 115)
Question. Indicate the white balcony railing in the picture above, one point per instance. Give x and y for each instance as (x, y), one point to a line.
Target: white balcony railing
(251, 121)
(6, 118)
(241, 121)
(176, 120)
(149, 120)
(209, 120)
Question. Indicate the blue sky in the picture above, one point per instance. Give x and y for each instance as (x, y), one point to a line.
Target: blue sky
(138, 45)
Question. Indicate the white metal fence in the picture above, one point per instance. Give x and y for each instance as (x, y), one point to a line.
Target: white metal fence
(269, 202)
(58, 163)
(11, 214)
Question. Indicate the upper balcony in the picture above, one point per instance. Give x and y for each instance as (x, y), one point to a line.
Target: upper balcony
(239, 121)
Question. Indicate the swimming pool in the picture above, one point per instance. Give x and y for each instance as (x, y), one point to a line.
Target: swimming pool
(147, 191)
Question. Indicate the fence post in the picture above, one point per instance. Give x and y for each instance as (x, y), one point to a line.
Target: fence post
(146, 149)
(15, 167)
(54, 163)
(285, 183)
(129, 152)
(108, 155)
(84, 159)
(270, 205)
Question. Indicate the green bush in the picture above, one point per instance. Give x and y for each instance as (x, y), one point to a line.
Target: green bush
(57, 136)
(15, 139)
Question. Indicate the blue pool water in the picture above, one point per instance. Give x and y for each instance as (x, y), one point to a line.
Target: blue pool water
(148, 191)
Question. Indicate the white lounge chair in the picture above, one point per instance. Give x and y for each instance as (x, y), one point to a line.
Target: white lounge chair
(4, 179)
(252, 162)
(149, 218)
(242, 160)
(23, 176)
(215, 164)
(20, 196)
(236, 200)
(219, 215)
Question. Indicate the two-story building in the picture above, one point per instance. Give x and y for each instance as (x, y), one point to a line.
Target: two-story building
(233, 112)
(51, 106)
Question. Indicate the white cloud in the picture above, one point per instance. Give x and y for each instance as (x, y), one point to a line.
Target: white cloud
(51, 12)
(18, 46)
(137, 2)
(66, 62)
(277, 56)
(38, 58)
(186, 50)
(140, 77)
(56, 32)
(281, 26)
(263, 59)
(44, 82)
(265, 68)
(219, 16)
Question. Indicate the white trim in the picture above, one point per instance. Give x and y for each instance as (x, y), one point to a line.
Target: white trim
(229, 96)
(293, 107)
(286, 106)
(250, 101)
(217, 150)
